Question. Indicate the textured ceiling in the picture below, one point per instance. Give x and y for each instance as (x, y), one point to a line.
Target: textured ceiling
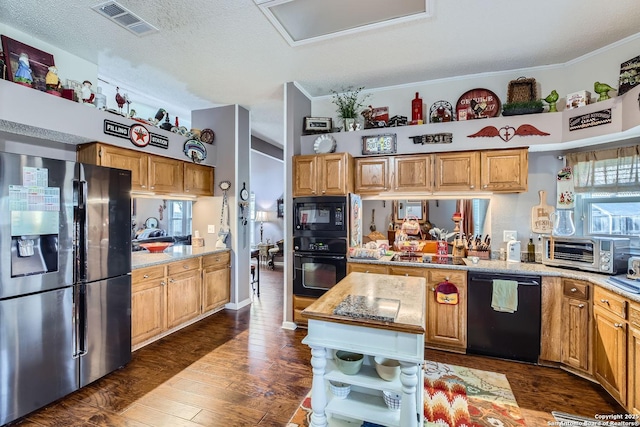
(212, 52)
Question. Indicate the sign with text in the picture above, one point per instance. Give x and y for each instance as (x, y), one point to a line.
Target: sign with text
(137, 134)
(584, 121)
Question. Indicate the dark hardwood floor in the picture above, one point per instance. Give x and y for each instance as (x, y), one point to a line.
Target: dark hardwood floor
(240, 368)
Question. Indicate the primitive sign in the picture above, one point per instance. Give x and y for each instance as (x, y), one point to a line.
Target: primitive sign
(137, 134)
(436, 138)
(584, 121)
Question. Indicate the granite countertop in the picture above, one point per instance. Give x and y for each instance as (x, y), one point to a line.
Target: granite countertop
(496, 266)
(140, 259)
(383, 288)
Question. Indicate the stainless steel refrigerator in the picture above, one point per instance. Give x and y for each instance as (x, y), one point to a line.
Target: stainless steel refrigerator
(65, 278)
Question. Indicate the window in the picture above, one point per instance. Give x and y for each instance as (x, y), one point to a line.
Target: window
(179, 216)
(607, 187)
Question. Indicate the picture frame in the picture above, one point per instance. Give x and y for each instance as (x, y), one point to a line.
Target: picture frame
(629, 75)
(280, 208)
(39, 61)
(379, 144)
(317, 125)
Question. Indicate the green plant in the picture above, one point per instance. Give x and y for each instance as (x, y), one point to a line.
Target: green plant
(536, 104)
(348, 103)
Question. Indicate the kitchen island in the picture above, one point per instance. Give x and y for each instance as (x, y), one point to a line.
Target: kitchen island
(389, 323)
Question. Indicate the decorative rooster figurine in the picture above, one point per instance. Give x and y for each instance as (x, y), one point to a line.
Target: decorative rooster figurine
(551, 99)
(120, 100)
(602, 89)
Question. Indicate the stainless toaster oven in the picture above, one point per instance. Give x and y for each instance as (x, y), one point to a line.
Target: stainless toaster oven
(608, 255)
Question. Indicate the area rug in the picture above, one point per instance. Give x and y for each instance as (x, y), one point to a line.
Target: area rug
(454, 396)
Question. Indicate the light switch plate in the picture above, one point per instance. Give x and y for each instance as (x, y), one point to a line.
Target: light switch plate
(509, 235)
(211, 229)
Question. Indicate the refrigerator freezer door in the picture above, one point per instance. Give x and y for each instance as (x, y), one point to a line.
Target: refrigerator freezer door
(36, 348)
(107, 337)
(34, 194)
(105, 197)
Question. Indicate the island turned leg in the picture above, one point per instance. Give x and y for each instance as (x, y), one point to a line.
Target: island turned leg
(408, 405)
(318, 388)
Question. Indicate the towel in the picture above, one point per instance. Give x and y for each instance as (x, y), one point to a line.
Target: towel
(505, 295)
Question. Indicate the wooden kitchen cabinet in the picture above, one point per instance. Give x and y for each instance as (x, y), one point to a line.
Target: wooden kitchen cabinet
(299, 304)
(372, 174)
(412, 173)
(610, 343)
(215, 281)
(198, 179)
(114, 157)
(353, 267)
(322, 175)
(446, 324)
(148, 299)
(398, 270)
(504, 170)
(576, 325)
(184, 291)
(457, 171)
(633, 362)
(165, 175)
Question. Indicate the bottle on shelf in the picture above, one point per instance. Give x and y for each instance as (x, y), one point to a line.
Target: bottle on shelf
(416, 110)
(531, 250)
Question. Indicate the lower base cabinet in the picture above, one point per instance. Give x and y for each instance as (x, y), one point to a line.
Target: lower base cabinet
(148, 299)
(447, 323)
(168, 296)
(633, 362)
(576, 325)
(299, 304)
(215, 281)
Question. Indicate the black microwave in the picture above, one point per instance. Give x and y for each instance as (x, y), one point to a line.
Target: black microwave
(320, 216)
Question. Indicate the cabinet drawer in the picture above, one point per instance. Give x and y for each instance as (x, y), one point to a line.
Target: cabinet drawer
(611, 302)
(185, 265)
(147, 273)
(455, 277)
(575, 289)
(221, 259)
(634, 315)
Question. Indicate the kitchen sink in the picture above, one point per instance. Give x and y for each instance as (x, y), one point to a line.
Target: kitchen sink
(421, 258)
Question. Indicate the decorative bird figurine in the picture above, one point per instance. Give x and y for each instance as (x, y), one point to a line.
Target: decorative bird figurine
(551, 99)
(120, 100)
(602, 89)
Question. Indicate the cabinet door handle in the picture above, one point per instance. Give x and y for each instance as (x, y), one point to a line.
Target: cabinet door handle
(580, 305)
(574, 290)
(472, 187)
(171, 281)
(433, 289)
(162, 283)
(185, 266)
(146, 276)
(604, 301)
(618, 325)
(485, 186)
(153, 187)
(143, 186)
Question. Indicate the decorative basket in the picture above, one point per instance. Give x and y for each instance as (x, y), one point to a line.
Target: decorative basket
(522, 89)
(392, 400)
(339, 390)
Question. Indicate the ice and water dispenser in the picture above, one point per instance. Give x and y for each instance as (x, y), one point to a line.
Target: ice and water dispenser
(34, 242)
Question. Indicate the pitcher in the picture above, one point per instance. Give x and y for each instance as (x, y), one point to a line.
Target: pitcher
(563, 222)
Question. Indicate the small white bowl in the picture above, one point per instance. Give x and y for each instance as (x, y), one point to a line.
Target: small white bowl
(392, 400)
(387, 369)
(339, 390)
(474, 259)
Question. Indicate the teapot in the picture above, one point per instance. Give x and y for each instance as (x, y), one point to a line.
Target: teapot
(563, 222)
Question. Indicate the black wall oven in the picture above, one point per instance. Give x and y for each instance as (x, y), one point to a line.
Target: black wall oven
(318, 264)
(324, 216)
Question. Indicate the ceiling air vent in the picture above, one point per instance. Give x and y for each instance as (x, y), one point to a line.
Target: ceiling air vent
(125, 18)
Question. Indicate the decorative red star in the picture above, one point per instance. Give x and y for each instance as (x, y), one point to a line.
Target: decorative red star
(140, 135)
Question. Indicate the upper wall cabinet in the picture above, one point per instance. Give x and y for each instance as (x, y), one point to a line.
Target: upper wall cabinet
(457, 171)
(393, 174)
(372, 174)
(322, 175)
(504, 170)
(150, 173)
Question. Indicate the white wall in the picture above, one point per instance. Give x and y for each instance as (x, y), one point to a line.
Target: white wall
(267, 179)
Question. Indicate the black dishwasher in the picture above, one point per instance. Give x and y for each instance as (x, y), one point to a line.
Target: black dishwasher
(514, 336)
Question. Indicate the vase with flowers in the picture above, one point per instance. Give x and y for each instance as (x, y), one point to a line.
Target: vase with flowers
(349, 104)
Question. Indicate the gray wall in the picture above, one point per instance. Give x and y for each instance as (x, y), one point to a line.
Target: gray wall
(267, 183)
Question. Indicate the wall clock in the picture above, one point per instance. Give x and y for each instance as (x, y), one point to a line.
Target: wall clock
(244, 193)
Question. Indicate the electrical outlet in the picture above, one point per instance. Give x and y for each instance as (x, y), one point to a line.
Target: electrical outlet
(509, 235)
(211, 229)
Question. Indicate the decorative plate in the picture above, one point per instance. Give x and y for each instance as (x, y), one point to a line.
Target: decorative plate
(478, 104)
(151, 222)
(324, 144)
(207, 136)
(195, 150)
(441, 111)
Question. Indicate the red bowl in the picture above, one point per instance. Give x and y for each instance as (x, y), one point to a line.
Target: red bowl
(156, 247)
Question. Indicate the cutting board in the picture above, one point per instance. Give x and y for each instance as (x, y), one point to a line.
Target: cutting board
(541, 215)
